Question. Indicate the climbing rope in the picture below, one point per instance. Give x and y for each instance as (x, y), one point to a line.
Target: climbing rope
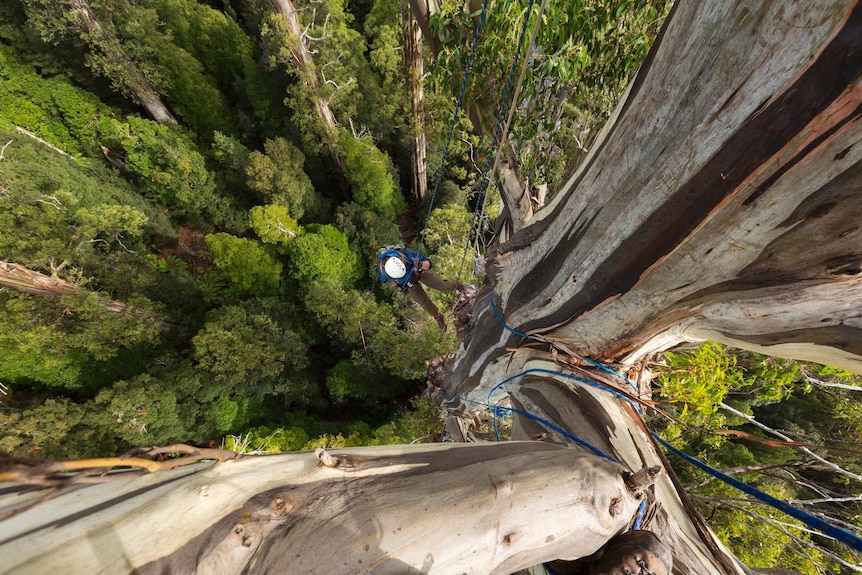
(501, 129)
(839, 534)
(467, 70)
(850, 539)
(505, 411)
(538, 339)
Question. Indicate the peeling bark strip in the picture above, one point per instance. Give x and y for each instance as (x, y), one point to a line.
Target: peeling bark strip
(745, 153)
(492, 508)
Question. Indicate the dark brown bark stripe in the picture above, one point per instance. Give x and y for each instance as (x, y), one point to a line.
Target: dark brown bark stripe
(763, 135)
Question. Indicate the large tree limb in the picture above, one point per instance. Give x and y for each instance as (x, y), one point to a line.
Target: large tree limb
(17, 277)
(133, 79)
(304, 62)
(485, 509)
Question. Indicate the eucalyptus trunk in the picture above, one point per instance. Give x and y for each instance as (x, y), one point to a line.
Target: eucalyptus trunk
(415, 67)
(401, 509)
(721, 202)
(304, 62)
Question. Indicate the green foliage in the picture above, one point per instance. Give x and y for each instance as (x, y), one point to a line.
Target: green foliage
(166, 164)
(585, 55)
(57, 209)
(341, 382)
(245, 263)
(389, 340)
(419, 423)
(62, 343)
(702, 378)
(52, 108)
(366, 231)
(322, 253)
(370, 174)
(161, 371)
(279, 177)
(774, 392)
(273, 224)
(250, 353)
(447, 234)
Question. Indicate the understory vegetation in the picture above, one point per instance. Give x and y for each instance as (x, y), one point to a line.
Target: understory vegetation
(791, 429)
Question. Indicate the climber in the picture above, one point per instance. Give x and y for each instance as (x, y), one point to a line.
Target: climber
(405, 268)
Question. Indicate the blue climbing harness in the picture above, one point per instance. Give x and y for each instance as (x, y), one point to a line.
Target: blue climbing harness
(412, 261)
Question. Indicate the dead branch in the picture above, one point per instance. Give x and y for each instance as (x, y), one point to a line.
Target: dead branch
(306, 35)
(776, 433)
(32, 471)
(333, 82)
(41, 141)
(3, 150)
(822, 383)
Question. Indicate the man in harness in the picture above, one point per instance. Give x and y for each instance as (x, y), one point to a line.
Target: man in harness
(405, 268)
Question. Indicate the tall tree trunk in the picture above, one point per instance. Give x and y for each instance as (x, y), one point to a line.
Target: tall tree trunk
(17, 277)
(130, 78)
(721, 202)
(305, 65)
(512, 189)
(415, 67)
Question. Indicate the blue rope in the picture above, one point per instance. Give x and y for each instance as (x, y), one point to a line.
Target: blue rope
(498, 129)
(592, 361)
(612, 391)
(467, 70)
(506, 411)
(505, 325)
(612, 372)
(541, 420)
(842, 535)
(639, 518)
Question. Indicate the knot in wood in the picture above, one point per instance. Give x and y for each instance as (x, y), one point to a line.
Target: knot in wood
(325, 458)
(638, 482)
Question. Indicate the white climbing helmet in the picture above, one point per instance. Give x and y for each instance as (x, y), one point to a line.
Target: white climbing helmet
(395, 268)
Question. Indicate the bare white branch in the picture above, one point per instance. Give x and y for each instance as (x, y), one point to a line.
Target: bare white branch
(822, 383)
(3, 150)
(30, 134)
(323, 36)
(825, 500)
(778, 434)
(51, 201)
(119, 238)
(333, 82)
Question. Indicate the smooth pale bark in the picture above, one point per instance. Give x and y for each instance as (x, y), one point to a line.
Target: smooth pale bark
(721, 201)
(613, 426)
(415, 68)
(422, 11)
(438, 508)
(717, 194)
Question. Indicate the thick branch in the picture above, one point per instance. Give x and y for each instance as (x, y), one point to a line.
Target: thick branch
(734, 153)
(17, 277)
(484, 508)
